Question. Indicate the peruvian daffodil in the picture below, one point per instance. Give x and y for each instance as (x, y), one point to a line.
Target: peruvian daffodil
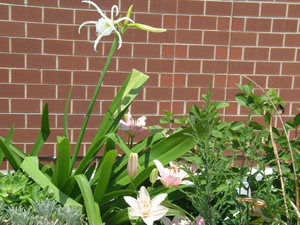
(149, 210)
(105, 26)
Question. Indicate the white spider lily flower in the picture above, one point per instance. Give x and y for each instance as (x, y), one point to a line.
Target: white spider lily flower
(149, 210)
(105, 26)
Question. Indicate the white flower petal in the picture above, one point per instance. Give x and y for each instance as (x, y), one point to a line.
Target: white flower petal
(158, 199)
(132, 202)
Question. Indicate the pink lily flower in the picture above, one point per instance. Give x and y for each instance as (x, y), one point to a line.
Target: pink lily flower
(149, 210)
(171, 177)
(132, 127)
(182, 220)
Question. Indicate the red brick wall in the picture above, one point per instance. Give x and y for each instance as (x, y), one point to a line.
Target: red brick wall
(42, 55)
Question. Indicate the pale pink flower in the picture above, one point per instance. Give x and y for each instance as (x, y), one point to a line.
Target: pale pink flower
(182, 220)
(171, 177)
(133, 127)
(132, 165)
(184, 164)
(149, 210)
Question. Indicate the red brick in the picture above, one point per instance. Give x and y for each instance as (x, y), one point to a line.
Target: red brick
(12, 28)
(41, 61)
(159, 65)
(86, 77)
(266, 39)
(201, 52)
(138, 5)
(97, 63)
(73, 4)
(78, 92)
(223, 23)
(168, 51)
(146, 50)
(156, 93)
(166, 6)
(294, 10)
(281, 54)
(86, 48)
(238, 23)
(221, 52)
(116, 78)
(253, 24)
(181, 51)
(190, 7)
(236, 53)
(297, 84)
(236, 67)
(72, 62)
(183, 22)
(4, 44)
(41, 91)
(7, 120)
(125, 50)
(41, 30)
(214, 66)
(12, 60)
(218, 8)
(166, 80)
(273, 10)
(241, 38)
(290, 95)
(25, 105)
(187, 66)
(26, 13)
(203, 22)
(4, 105)
(256, 53)
(261, 80)
(144, 107)
(281, 25)
(12, 90)
(179, 80)
(245, 9)
(133, 35)
(178, 107)
(186, 94)
(166, 37)
(292, 40)
(4, 12)
(42, 3)
(71, 32)
(169, 21)
(25, 45)
(146, 18)
(56, 77)
(233, 80)
(104, 93)
(189, 36)
(55, 105)
(216, 37)
(81, 106)
(4, 75)
(290, 68)
(127, 64)
(25, 76)
(56, 15)
(86, 15)
(58, 47)
(267, 68)
(280, 81)
(199, 80)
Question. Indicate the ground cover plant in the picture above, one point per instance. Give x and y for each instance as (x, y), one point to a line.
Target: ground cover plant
(210, 178)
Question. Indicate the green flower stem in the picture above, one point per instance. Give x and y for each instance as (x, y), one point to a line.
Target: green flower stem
(87, 116)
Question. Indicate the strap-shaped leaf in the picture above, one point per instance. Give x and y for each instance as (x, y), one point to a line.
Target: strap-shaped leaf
(120, 218)
(66, 115)
(44, 132)
(7, 141)
(61, 169)
(92, 209)
(104, 175)
(29, 166)
(11, 156)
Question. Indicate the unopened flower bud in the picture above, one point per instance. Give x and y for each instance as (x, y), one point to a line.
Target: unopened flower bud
(153, 175)
(132, 165)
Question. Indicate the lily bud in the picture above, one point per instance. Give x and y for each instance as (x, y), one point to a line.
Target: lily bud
(153, 175)
(146, 27)
(132, 165)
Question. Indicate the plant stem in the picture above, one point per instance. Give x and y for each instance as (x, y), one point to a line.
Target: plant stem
(87, 116)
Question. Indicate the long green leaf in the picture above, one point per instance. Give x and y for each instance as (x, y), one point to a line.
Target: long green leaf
(92, 209)
(11, 156)
(104, 174)
(29, 166)
(43, 134)
(120, 218)
(66, 114)
(7, 141)
(61, 169)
